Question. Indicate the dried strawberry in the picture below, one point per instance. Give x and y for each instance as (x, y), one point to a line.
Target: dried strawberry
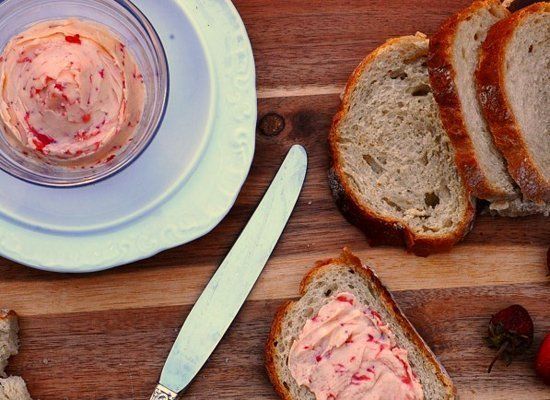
(542, 365)
(511, 332)
(73, 39)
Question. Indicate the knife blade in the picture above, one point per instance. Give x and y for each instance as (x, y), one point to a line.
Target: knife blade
(226, 292)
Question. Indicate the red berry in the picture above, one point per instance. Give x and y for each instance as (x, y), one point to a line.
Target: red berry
(515, 319)
(542, 365)
(511, 332)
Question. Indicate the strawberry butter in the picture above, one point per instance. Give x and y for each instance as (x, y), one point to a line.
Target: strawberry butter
(71, 92)
(346, 352)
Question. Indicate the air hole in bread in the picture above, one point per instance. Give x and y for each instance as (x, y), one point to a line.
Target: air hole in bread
(391, 204)
(398, 73)
(275, 343)
(351, 271)
(286, 386)
(431, 199)
(530, 49)
(425, 160)
(328, 293)
(476, 36)
(376, 167)
(422, 90)
(351, 286)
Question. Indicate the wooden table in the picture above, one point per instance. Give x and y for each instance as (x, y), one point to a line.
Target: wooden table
(106, 335)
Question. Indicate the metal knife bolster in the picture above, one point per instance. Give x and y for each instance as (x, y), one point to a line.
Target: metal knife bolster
(162, 393)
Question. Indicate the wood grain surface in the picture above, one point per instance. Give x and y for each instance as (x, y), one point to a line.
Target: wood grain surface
(106, 335)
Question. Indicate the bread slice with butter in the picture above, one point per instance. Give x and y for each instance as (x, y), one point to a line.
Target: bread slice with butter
(393, 170)
(347, 274)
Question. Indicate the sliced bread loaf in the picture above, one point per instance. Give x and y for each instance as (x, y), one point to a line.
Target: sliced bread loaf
(393, 171)
(347, 274)
(454, 55)
(513, 86)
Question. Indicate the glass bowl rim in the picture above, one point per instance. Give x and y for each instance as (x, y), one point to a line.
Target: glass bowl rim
(153, 36)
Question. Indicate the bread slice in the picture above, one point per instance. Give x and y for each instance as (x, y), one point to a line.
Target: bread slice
(454, 55)
(9, 345)
(13, 388)
(454, 50)
(393, 171)
(347, 274)
(513, 86)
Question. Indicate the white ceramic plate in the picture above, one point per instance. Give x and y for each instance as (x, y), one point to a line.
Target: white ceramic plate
(185, 182)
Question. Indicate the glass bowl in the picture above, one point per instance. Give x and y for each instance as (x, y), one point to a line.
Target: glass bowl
(133, 29)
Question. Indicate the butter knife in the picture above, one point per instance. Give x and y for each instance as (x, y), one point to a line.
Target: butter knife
(228, 289)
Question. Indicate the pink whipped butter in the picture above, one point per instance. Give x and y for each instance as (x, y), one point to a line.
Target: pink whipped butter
(71, 92)
(346, 352)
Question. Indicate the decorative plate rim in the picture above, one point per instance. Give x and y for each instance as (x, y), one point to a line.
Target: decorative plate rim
(195, 209)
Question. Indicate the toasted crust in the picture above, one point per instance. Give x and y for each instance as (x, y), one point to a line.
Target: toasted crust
(380, 230)
(442, 80)
(497, 110)
(349, 259)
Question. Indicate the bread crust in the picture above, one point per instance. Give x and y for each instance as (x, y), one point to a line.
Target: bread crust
(498, 111)
(442, 79)
(6, 314)
(382, 230)
(349, 259)
(270, 351)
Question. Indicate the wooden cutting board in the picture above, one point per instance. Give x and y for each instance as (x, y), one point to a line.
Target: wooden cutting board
(106, 335)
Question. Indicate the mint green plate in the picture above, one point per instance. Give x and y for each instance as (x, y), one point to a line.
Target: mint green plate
(186, 181)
